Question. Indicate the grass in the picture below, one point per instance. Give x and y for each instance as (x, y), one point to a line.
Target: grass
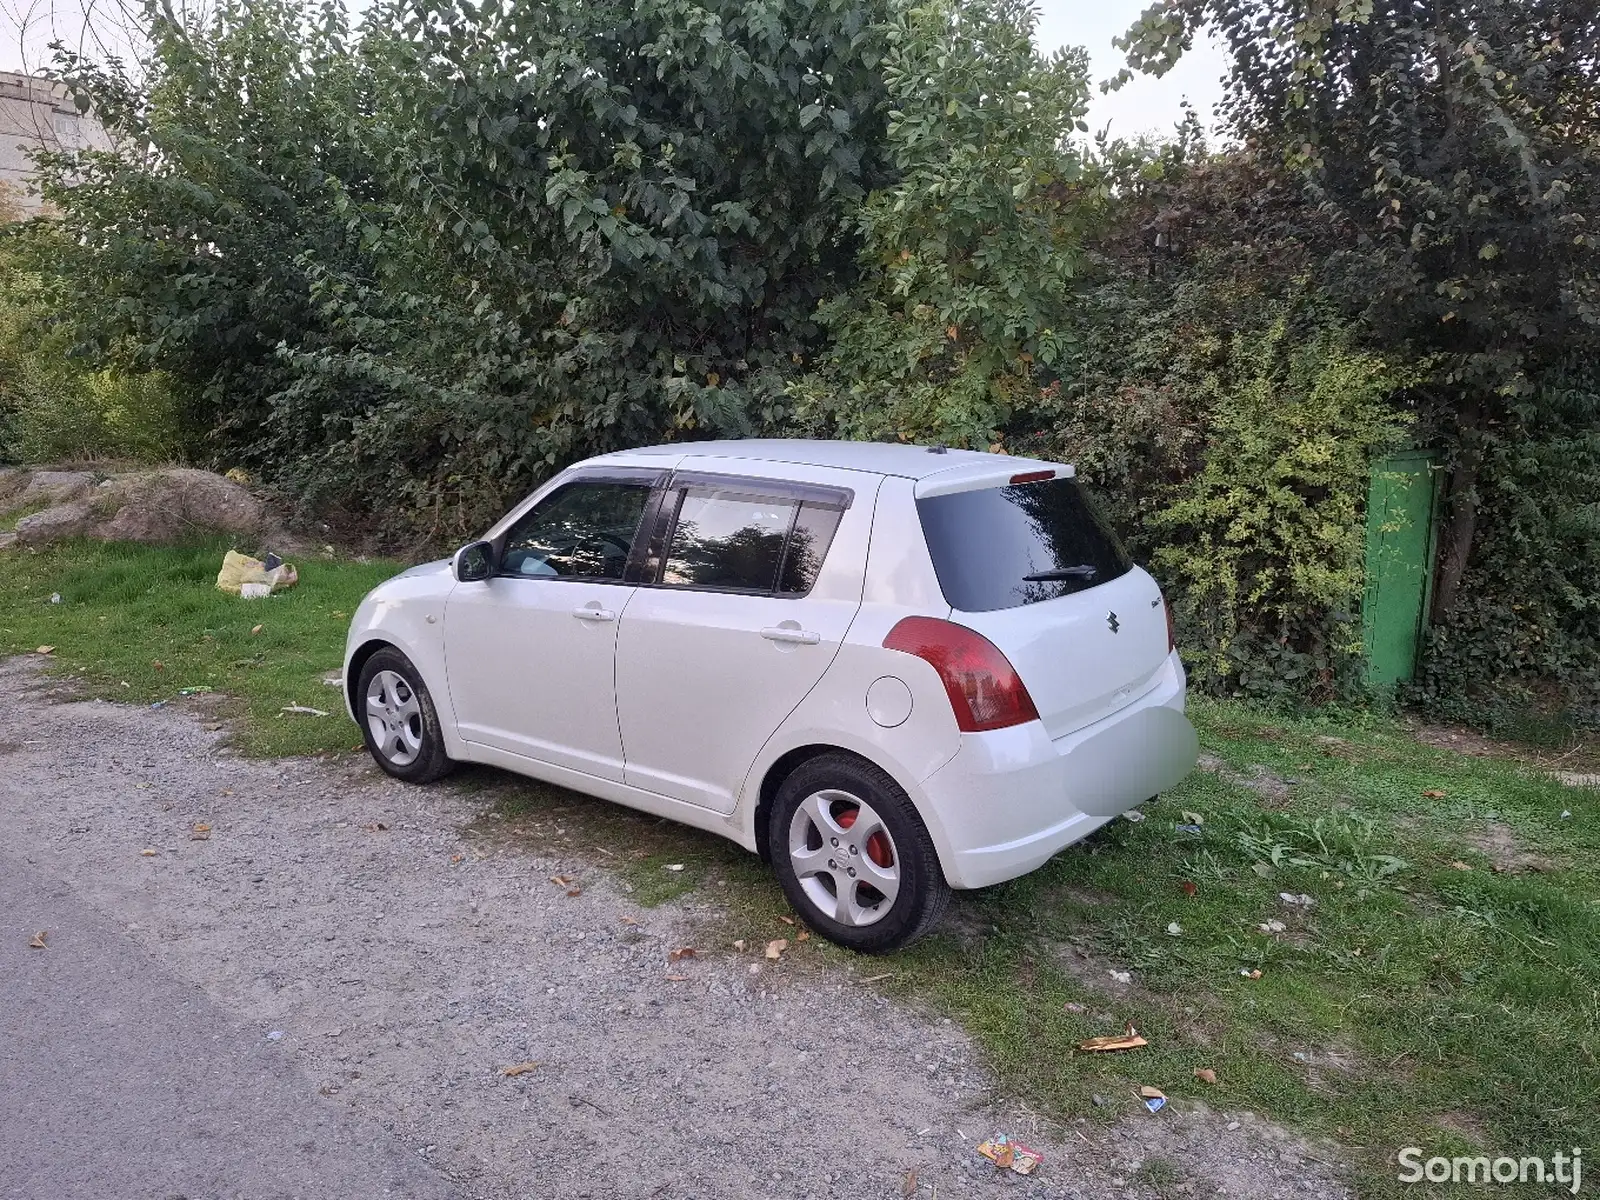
(1424, 998)
(142, 624)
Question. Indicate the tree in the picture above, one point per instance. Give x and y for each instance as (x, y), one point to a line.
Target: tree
(1460, 143)
(968, 258)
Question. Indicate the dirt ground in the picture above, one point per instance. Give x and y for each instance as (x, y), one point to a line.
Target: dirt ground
(321, 994)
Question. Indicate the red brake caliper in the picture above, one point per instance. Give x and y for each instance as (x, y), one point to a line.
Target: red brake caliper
(877, 844)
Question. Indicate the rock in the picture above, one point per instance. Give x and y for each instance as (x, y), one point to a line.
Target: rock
(55, 486)
(173, 504)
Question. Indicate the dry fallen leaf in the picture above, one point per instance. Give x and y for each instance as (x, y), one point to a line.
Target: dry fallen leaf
(776, 947)
(200, 833)
(681, 952)
(159, 665)
(521, 1068)
(255, 629)
(1458, 865)
(629, 921)
(787, 920)
(908, 1185)
(1433, 794)
(455, 858)
(803, 936)
(1119, 1041)
(574, 892)
(739, 944)
(676, 978)
(1188, 889)
(147, 853)
(1205, 1075)
(561, 880)
(375, 827)
(1072, 1006)
(1150, 1093)
(45, 650)
(37, 941)
(1255, 974)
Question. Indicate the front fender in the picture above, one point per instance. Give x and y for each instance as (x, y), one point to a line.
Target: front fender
(406, 612)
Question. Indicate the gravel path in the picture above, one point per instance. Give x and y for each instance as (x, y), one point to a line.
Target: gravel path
(304, 1004)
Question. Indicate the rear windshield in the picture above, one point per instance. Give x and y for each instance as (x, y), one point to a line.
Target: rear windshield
(1003, 547)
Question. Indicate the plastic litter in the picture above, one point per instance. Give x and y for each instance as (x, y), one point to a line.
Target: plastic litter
(1156, 1103)
(1193, 829)
(1134, 815)
(1300, 901)
(301, 708)
(253, 578)
(1010, 1155)
(275, 1036)
(55, 597)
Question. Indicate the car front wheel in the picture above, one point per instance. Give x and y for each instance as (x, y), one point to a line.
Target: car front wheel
(854, 857)
(398, 721)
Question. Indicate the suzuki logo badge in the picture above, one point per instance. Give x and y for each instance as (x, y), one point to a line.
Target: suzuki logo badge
(1111, 620)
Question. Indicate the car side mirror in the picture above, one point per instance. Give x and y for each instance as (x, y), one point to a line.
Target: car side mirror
(473, 563)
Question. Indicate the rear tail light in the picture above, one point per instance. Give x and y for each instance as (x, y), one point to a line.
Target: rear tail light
(984, 689)
(1172, 642)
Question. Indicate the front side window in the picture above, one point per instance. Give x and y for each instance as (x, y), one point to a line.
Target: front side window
(582, 530)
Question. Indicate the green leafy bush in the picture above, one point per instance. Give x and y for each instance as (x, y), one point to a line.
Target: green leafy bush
(53, 409)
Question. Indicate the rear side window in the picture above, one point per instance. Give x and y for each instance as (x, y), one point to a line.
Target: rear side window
(728, 541)
(1003, 547)
(731, 539)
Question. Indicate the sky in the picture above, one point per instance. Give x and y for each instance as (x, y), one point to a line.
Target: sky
(1145, 105)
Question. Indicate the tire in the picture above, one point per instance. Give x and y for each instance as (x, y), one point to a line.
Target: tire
(812, 809)
(408, 742)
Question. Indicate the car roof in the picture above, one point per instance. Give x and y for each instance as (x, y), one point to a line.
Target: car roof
(882, 458)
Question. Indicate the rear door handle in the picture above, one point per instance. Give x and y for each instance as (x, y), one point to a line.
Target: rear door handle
(594, 614)
(800, 637)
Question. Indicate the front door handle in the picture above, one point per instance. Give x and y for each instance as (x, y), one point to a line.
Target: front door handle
(594, 614)
(799, 637)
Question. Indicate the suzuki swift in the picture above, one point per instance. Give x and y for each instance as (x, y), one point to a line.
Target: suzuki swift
(889, 670)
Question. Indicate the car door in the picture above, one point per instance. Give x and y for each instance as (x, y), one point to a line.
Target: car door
(530, 653)
(750, 586)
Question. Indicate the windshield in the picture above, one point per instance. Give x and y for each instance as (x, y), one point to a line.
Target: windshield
(1007, 546)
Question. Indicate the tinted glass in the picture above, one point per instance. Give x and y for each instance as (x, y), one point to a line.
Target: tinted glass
(1002, 547)
(728, 540)
(808, 546)
(583, 530)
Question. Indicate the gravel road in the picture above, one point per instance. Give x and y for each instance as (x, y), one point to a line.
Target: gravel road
(303, 1004)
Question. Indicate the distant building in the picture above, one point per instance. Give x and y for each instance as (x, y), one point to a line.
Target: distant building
(37, 113)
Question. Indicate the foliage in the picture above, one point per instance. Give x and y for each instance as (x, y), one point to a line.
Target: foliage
(418, 274)
(53, 409)
(1460, 142)
(968, 258)
(1264, 544)
(1527, 626)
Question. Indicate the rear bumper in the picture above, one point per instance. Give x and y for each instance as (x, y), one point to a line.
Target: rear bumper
(1012, 798)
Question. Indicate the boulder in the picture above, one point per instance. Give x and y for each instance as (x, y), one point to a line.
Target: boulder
(174, 504)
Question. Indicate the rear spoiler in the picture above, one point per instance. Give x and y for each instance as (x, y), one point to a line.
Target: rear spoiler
(988, 473)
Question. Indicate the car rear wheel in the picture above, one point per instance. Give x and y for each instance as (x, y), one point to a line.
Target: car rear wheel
(854, 857)
(398, 721)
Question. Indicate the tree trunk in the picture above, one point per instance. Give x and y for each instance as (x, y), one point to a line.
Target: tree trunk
(1462, 521)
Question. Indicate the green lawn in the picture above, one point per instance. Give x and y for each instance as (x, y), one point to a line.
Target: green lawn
(141, 624)
(1423, 998)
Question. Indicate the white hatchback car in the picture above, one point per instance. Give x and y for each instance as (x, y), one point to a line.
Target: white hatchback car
(890, 670)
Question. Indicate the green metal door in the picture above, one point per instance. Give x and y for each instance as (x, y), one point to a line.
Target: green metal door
(1400, 508)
